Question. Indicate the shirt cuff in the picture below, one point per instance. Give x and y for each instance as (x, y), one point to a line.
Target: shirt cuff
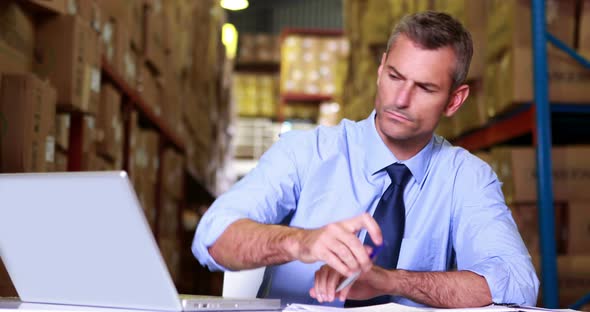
(206, 235)
(497, 276)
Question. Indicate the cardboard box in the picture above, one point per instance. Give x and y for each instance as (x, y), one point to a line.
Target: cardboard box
(584, 28)
(171, 97)
(17, 39)
(573, 278)
(509, 24)
(131, 62)
(109, 124)
(61, 161)
(129, 14)
(485, 156)
(526, 216)
(313, 65)
(445, 128)
(146, 154)
(48, 114)
(99, 163)
(88, 10)
(155, 44)
(179, 31)
(150, 89)
(170, 248)
(49, 6)
(144, 164)
(173, 166)
(579, 228)
(27, 106)
(516, 168)
(88, 162)
(473, 15)
(69, 56)
(568, 80)
(169, 217)
(377, 30)
(62, 131)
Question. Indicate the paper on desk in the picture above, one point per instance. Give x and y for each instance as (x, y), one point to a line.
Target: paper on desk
(388, 307)
(394, 307)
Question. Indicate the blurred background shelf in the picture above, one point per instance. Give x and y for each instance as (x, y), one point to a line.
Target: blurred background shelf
(138, 102)
(258, 67)
(305, 98)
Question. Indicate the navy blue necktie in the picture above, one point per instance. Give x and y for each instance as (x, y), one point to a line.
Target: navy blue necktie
(390, 214)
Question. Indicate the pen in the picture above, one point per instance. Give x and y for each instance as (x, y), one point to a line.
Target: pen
(349, 280)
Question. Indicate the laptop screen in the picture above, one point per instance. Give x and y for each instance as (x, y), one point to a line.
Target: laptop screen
(81, 239)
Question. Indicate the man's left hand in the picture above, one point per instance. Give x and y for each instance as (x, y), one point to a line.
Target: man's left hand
(365, 287)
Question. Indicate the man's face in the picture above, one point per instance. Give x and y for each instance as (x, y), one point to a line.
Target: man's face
(413, 89)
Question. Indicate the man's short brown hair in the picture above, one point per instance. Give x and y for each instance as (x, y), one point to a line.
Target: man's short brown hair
(434, 30)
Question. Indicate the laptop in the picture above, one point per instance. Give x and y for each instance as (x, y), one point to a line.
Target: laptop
(81, 238)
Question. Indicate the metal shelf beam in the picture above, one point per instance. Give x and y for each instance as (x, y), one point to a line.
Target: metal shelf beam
(545, 178)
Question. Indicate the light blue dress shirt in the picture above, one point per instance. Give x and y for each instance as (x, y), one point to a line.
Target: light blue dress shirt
(455, 210)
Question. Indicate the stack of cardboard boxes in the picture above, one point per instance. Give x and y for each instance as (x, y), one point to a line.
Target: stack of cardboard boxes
(313, 64)
(27, 125)
(258, 49)
(256, 94)
(58, 111)
(516, 168)
(170, 211)
(207, 82)
(509, 54)
(502, 61)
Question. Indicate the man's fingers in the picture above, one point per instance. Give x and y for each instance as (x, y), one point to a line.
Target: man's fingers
(348, 253)
(361, 256)
(331, 284)
(335, 262)
(317, 286)
(364, 221)
(325, 283)
(373, 229)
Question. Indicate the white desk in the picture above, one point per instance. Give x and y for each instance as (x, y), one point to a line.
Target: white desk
(14, 305)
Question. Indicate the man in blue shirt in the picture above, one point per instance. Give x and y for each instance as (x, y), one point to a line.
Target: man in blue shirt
(305, 210)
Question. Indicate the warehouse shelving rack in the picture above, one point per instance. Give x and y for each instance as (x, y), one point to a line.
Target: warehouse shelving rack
(535, 119)
(299, 97)
(257, 67)
(132, 100)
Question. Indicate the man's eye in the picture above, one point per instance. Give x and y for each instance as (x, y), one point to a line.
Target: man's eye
(425, 89)
(394, 77)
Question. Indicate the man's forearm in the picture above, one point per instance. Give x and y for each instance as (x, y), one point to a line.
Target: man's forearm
(441, 289)
(246, 244)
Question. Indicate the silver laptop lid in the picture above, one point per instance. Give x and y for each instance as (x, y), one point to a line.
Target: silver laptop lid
(81, 239)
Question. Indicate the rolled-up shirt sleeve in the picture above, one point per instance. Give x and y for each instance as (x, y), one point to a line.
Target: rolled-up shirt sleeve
(487, 241)
(266, 195)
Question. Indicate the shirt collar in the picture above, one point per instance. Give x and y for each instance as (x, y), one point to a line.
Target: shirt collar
(378, 156)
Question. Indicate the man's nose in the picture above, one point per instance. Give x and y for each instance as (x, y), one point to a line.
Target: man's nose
(404, 94)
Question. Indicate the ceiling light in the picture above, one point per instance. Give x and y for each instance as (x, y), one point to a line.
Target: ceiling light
(234, 5)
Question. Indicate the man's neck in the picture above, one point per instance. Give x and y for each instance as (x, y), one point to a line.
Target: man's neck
(406, 149)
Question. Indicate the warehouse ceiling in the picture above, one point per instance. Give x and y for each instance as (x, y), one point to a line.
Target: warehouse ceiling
(271, 16)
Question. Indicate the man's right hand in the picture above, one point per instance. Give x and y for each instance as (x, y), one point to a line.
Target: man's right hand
(337, 244)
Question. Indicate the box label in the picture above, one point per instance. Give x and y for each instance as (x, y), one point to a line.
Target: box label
(95, 80)
(50, 149)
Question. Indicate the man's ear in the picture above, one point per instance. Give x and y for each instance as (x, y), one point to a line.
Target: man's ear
(456, 100)
(380, 69)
